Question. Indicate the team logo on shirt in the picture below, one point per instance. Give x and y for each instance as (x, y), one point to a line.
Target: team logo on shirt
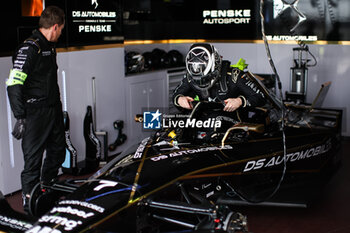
(46, 53)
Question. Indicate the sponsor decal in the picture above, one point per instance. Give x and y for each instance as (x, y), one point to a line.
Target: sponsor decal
(291, 157)
(291, 38)
(23, 48)
(14, 223)
(46, 53)
(188, 152)
(95, 28)
(19, 62)
(83, 204)
(94, 14)
(141, 148)
(104, 184)
(39, 229)
(70, 210)
(63, 221)
(253, 87)
(94, 21)
(241, 16)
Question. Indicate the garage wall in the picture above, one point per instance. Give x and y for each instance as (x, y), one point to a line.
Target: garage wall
(107, 66)
(11, 161)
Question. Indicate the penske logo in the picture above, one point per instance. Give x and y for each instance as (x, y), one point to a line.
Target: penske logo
(240, 16)
(292, 157)
(14, 223)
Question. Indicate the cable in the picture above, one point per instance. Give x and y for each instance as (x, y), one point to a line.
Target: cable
(306, 47)
(302, 18)
(282, 117)
(315, 61)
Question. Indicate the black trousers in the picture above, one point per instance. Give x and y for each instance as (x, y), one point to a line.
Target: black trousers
(44, 131)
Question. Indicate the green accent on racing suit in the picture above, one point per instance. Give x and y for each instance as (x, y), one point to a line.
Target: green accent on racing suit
(240, 64)
(16, 77)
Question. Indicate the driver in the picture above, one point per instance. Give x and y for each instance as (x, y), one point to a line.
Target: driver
(209, 78)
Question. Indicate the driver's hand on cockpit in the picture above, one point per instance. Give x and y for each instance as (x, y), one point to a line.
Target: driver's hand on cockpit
(185, 102)
(231, 104)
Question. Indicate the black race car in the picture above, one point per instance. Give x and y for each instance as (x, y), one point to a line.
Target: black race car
(189, 179)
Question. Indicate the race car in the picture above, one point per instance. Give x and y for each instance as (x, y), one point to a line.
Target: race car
(188, 179)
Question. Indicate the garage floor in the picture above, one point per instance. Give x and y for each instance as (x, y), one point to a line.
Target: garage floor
(330, 213)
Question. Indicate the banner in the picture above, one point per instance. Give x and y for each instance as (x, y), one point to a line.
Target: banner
(93, 22)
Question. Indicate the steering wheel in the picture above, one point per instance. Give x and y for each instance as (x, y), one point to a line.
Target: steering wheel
(204, 106)
(210, 112)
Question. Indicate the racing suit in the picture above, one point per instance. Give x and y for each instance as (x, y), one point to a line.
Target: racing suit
(232, 84)
(34, 96)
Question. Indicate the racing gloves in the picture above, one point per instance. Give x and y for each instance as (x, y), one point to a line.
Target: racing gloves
(20, 127)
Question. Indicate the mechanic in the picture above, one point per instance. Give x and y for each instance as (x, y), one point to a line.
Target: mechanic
(209, 78)
(35, 102)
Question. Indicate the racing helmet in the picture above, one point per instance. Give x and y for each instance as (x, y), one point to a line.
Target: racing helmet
(158, 58)
(134, 62)
(176, 58)
(203, 64)
(148, 60)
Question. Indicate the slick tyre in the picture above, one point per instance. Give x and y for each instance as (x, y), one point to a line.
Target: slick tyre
(33, 200)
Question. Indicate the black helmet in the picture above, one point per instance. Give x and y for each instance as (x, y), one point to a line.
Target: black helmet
(134, 62)
(176, 58)
(158, 58)
(164, 60)
(203, 64)
(148, 60)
